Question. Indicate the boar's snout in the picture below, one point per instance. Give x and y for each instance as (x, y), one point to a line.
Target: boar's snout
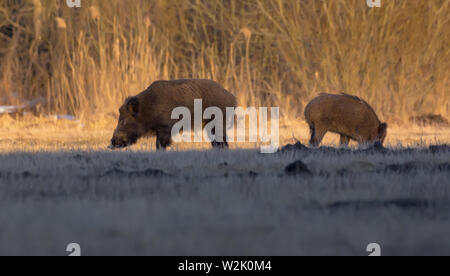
(128, 129)
(117, 144)
(122, 142)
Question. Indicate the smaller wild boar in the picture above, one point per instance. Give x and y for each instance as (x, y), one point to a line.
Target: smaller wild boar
(149, 113)
(347, 115)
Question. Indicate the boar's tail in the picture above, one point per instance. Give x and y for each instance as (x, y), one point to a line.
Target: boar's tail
(312, 130)
(382, 128)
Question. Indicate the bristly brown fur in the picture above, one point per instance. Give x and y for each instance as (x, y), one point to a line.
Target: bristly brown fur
(150, 111)
(347, 115)
(358, 99)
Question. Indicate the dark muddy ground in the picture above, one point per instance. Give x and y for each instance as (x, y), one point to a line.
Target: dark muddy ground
(296, 202)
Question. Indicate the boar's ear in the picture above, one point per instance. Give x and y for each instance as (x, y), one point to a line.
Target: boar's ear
(132, 104)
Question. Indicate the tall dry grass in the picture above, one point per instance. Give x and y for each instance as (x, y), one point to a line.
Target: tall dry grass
(268, 52)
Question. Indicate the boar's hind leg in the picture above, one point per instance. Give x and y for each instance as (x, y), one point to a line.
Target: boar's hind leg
(216, 144)
(163, 139)
(344, 140)
(317, 135)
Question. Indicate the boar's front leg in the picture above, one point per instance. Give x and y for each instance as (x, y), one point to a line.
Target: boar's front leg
(317, 134)
(163, 138)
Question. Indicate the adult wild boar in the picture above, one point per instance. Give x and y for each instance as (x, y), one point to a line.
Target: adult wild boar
(149, 113)
(347, 115)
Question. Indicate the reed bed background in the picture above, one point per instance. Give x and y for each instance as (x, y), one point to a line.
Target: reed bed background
(85, 61)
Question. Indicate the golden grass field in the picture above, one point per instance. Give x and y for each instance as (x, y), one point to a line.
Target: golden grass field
(47, 134)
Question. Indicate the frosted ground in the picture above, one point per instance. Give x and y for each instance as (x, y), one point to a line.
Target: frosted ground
(236, 202)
